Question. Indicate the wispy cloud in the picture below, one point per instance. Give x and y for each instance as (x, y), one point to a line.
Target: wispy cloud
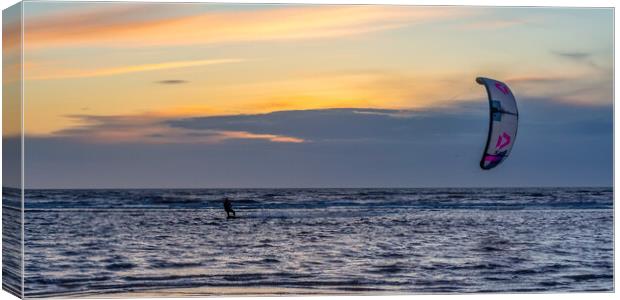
(492, 24)
(40, 72)
(172, 81)
(583, 89)
(149, 129)
(573, 55)
(581, 81)
(223, 135)
(539, 79)
(111, 28)
(387, 113)
(74, 24)
(585, 58)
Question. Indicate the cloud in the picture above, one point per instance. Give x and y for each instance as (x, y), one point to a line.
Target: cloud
(117, 26)
(387, 113)
(583, 86)
(302, 126)
(579, 56)
(493, 24)
(346, 124)
(100, 20)
(557, 145)
(584, 58)
(148, 129)
(224, 135)
(59, 73)
(385, 125)
(540, 79)
(324, 125)
(172, 81)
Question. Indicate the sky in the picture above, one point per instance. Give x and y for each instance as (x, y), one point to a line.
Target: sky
(122, 95)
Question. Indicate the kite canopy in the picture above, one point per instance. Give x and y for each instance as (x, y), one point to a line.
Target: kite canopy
(503, 123)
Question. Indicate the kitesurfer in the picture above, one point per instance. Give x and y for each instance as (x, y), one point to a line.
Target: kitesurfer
(228, 207)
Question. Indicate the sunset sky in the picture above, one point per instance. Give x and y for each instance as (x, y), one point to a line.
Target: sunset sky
(215, 95)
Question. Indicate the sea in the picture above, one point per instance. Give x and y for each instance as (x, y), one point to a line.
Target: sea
(99, 243)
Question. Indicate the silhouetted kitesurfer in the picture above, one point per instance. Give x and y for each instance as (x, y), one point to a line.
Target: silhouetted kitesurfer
(228, 207)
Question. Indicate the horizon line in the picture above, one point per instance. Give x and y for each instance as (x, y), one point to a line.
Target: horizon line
(302, 188)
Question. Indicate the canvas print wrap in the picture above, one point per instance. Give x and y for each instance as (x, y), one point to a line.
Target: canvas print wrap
(200, 149)
(12, 209)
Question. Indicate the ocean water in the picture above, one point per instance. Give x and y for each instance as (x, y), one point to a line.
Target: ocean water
(11, 241)
(370, 241)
